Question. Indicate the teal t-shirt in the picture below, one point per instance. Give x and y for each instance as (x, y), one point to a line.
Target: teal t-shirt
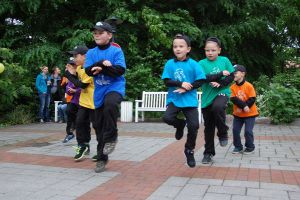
(209, 93)
(183, 71)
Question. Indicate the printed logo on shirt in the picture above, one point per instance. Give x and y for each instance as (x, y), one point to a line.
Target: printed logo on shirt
(102, 81)
(241, 95)
(179, 74)
(215, 70)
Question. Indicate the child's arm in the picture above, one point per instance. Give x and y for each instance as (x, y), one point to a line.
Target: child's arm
(75, 81)
(250, 101)
(239, 103)
(226, 81)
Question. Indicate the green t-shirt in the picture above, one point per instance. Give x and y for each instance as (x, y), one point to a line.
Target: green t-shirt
(209, 93)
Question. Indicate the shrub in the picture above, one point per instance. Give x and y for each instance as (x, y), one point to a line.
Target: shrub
(281, 103)
(20, 115)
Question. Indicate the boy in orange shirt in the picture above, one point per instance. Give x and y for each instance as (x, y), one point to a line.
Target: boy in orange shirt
(243, 97)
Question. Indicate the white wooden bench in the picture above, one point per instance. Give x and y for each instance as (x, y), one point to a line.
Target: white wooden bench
(156, 101)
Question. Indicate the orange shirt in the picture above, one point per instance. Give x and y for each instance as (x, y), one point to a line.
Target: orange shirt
(243, 92)
(63, 84)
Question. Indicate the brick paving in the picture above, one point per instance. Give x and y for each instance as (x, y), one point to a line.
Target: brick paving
(148, 163)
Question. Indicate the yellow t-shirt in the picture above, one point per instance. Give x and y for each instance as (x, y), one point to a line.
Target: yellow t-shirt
(87, 95)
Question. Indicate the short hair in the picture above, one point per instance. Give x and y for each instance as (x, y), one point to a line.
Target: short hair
(213, 39)
(43, 67)
(184, 37)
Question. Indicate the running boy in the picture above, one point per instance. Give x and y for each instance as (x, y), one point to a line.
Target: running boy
(215, 96)
(183, 75)
(106, 63)
(244, 111)
(72, 107)
(85, 114)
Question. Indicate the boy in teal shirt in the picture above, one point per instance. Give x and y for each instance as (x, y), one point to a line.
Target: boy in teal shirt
(215, 97)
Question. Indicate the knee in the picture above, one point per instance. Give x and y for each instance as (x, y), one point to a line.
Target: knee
(167, 119)
(110, 107)
(193, 127)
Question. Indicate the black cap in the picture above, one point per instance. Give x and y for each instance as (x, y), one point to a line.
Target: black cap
(79, 50)
(240, 68)
(103, 26)
(184, 37)
(71, 61)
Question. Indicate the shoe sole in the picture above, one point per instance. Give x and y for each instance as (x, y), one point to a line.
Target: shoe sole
(81, 157)
(239, 152)
(248, 153)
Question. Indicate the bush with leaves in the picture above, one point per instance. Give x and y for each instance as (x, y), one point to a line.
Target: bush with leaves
(281, 103)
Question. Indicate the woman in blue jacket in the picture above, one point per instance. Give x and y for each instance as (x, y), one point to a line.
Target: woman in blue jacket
(43, 85)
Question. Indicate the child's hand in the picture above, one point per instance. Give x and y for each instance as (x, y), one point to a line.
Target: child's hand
(186, 86)
(180, 90)
(239, 110)
(215, 84)
(96, 70)
(107, 63)
(71, 90)
(246, 109)
(226, 73)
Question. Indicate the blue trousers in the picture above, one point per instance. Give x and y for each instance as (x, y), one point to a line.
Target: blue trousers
(236, 130)
(44, 106)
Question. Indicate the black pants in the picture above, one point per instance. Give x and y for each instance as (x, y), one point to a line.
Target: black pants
(106, 122)
(215, 116)
(192, 121)
(71, 113)
(83, 120)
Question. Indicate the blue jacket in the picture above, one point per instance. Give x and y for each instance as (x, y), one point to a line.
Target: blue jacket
(41, 84)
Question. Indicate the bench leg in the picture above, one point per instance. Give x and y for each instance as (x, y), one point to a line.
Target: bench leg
(143, 116)
(136, 115)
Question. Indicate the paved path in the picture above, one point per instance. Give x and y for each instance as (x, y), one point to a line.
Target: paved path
(148, 163)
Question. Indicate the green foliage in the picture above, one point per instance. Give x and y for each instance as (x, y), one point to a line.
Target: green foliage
(15, 87)
(260, 34)
(282, 103)
(19, 115)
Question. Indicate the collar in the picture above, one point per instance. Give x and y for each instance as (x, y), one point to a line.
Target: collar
(241, 83)
(186, 59)
(103, 47)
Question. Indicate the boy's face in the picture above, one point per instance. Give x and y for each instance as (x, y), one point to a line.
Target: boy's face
(212, 50)
(239, 76)
(180, 48)
(102, 37)
(57, 70)
(79, 59)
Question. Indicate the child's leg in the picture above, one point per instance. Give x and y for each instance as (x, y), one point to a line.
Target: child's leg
(111, 113)
(249, 137)
(99, 125)
(71, 112)
(209, 131)
(170, 118)
(218, 108)
(192, 120)
(83, 129)
(236, 130)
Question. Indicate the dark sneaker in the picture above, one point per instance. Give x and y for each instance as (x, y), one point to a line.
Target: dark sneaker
(80, 152)
(223, 142)
(100, 166)
(237, 150)
(109, 147)
(180, 131)
(95, 158)
(68, 138)
(190, 160)
(248, 151)
(88, 150)
(207, 159)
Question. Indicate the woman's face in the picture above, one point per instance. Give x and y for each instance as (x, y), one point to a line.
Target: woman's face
(45, 70)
